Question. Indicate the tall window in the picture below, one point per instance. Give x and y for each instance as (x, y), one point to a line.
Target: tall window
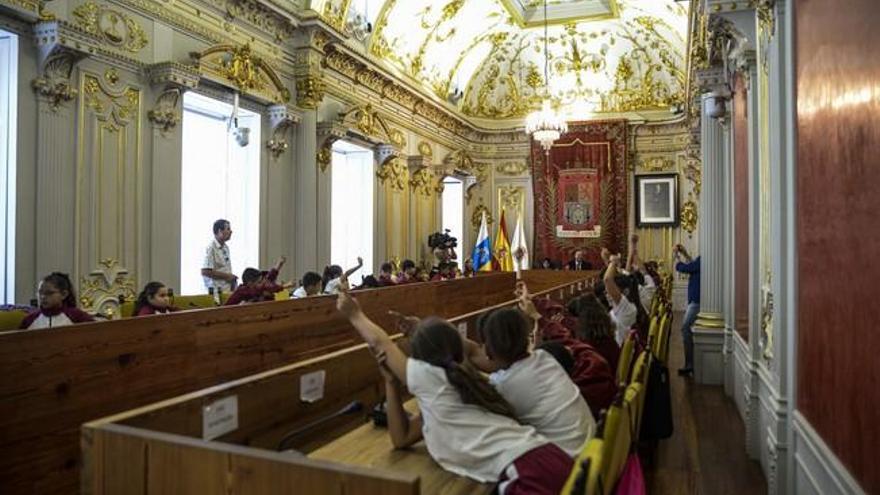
(453, 213)
(351, 214)
(220, 179)
(8, 119)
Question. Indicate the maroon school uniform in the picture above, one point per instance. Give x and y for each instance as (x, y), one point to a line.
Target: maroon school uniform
(149, 309)
(46, 318)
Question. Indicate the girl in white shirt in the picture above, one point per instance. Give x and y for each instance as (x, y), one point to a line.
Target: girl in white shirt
(534, 383)
(468, 428)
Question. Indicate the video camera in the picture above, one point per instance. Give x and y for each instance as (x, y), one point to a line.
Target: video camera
(442, 240)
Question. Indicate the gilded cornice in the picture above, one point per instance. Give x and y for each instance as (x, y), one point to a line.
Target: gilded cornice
(245, 70)
(51, 36)
(361, 72)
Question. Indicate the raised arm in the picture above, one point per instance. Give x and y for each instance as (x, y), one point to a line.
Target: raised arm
(610, 284)
(632, 261)
(354, 268)
(404, 430)
(373, 335)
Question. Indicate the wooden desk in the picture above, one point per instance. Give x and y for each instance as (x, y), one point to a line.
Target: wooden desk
(369, 446)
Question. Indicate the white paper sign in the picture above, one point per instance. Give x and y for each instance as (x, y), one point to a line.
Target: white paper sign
(220, 417)
(311, 386)
(462, 329)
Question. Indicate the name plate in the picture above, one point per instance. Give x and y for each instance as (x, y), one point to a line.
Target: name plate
(220, 417)
(311, 386)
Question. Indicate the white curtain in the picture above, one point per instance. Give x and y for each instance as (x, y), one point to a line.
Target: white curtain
(220, 179)
(351, 215)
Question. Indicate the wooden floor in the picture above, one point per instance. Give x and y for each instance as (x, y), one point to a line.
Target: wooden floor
(706, 454)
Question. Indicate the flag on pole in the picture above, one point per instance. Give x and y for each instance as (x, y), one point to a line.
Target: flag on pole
(482, 254)
(502, 256)
(519, 244)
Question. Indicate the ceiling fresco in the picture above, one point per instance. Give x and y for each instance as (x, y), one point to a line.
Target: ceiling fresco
(486, 58)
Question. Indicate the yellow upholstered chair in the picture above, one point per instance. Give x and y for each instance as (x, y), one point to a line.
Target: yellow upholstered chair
(616, 440)
(663, 345)
(584, 478)
(11, 320)
(626, 357)
(282, 295)
(126, 309)
(224, 296)
(197, 301)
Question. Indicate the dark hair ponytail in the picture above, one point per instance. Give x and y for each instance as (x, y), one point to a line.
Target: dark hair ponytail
(594, 324)
(143, 298)
(437, 342)
(61, 281)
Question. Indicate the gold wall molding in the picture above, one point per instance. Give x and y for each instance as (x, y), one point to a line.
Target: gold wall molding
(328, 133)
(425, 149)
(359, 72)
(165, 115)
(309, 91)
(247, 71)
(111, 26)
(425, 182)
(689, 215)
(461, 162)
(335, 15)
(102, 289)
(393, 173)
(477, 215)
(281, 120)
(512, 168)
(254, 12)
(657, 164)
(512, 198)
(54, 82)
(121, 107)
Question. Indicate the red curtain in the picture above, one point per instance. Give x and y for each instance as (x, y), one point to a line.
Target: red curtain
(582, 184)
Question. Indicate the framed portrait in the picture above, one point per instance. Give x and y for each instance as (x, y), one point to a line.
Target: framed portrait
(656, 200)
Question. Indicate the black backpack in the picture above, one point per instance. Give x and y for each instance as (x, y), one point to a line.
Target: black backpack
(657, 413)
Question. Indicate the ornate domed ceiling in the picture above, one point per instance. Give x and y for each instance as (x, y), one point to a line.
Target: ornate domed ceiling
(485, 57)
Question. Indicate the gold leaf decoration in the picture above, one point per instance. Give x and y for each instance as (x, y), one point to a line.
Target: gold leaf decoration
(689, 215)
(111, 26)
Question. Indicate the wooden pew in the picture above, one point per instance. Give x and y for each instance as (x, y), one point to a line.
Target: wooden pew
(51, 381)
(120, 451)
(161, 446)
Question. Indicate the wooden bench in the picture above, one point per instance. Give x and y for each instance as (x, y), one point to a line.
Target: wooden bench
(55, 380)
(166, 444)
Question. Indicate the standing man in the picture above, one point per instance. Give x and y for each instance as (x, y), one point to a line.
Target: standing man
(692, 267)
(217, 269)
(578, 263)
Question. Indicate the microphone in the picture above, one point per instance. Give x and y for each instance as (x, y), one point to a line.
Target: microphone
(351, 408)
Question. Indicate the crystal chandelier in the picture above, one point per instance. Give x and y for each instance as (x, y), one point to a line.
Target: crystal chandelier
(545, 125)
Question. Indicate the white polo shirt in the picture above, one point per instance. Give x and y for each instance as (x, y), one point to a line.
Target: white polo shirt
(217, 258)
(543, 396)
(299, 293)
(465, 438)
(623, 314)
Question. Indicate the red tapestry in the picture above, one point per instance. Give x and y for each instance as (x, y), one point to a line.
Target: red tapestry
(581, 194)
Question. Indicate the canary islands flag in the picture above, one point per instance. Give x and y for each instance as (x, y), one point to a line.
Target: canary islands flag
(482, 254)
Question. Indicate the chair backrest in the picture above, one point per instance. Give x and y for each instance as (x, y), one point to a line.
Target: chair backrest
(654, 329)
(584, 477)
(126, 309)
(194, 301)
(11, 320)
(626, 357)
(282, 295)
(663, 345)
(616, 441)
(633, 401)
